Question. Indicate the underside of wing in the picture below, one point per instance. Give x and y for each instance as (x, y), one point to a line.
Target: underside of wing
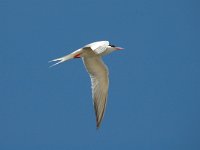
(100, 82)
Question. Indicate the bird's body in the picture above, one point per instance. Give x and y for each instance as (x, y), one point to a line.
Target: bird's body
(91, 55)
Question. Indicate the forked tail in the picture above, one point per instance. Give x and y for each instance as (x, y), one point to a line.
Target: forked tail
(61, 59)
(75, 54)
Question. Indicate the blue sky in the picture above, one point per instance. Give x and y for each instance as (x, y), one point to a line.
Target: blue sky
(154, 94)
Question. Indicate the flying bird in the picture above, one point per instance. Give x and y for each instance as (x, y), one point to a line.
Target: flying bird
(91, 55)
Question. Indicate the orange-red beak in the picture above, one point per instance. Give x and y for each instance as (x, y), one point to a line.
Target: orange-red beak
(119, 48)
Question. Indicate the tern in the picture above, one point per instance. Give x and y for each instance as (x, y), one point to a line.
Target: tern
(91, 55)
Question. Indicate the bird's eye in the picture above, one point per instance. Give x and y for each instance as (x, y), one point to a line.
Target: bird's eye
(112, 45)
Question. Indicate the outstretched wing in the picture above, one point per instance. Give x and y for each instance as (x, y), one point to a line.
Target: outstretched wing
(99, 78)
(98, 47)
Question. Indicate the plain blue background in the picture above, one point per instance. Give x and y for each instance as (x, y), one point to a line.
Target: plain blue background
(154, 94)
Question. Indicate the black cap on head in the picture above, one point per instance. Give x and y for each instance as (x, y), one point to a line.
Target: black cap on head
(112, 45)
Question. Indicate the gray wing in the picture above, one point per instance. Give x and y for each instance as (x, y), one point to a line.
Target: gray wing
(99, 79)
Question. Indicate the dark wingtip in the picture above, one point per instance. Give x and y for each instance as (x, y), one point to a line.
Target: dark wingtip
(98, 125)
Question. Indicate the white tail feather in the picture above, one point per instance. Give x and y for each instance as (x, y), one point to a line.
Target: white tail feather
(65, 58)
(62, 59)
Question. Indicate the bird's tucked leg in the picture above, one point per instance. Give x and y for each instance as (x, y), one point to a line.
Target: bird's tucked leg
(77, 56)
